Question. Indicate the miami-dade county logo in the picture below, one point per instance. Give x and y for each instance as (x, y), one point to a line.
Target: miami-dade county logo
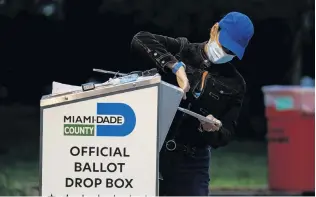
(111, 119)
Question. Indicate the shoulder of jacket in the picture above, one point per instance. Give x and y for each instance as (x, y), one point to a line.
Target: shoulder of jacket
(183, 41)
(240, 79)
(242, 82)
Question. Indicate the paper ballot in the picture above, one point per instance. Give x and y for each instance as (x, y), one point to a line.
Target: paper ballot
(60, 88)
(198, 116)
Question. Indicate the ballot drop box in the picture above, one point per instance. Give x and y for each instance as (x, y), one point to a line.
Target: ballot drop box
(290, 111)
(106, 141)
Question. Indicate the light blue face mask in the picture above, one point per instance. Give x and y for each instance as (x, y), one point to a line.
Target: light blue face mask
(217, 55)
(224, 59)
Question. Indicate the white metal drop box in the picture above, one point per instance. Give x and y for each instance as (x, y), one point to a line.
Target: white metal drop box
(106, 141)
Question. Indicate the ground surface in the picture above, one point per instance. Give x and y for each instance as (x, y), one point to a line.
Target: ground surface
(237, 168)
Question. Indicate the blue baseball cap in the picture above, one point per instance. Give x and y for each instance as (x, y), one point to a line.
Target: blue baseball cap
(236, 30)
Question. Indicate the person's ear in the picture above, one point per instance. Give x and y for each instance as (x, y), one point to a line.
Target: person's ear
(214, 32)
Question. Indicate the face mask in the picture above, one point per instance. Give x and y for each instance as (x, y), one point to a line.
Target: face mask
(216, 54)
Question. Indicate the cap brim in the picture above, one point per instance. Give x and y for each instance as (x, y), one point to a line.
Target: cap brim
(225, 40)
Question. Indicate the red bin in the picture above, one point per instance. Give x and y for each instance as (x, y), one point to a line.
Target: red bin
(290, 111)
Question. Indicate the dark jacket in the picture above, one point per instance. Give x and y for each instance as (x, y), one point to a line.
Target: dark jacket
(222, 95)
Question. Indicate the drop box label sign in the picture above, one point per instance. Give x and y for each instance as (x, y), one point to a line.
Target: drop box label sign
(101, 147)
(111, 119)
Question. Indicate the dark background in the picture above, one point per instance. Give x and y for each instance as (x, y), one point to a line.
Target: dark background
(64, 47)
(36, 50)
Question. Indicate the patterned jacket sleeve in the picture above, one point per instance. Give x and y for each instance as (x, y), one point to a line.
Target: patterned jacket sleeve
(162, 50)
(229, 120)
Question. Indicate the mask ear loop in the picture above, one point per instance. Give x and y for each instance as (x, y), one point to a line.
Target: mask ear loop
(214, 32)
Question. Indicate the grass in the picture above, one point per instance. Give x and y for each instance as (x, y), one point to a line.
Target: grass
(20, 179)
(239, 165)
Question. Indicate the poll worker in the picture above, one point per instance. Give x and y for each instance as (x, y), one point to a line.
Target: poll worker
(213, 87)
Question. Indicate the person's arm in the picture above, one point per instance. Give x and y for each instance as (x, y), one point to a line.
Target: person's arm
(229, 120)
(161, 49)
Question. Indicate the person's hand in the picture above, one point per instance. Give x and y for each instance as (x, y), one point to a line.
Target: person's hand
(211, 127)
(183, 81)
